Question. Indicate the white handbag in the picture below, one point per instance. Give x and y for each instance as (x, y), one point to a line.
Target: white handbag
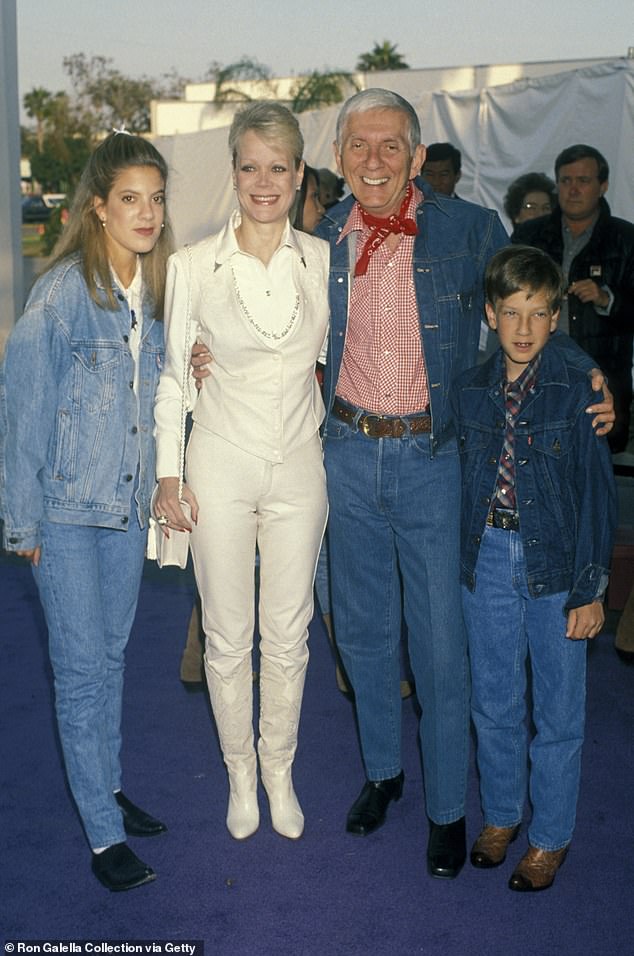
(175, 549)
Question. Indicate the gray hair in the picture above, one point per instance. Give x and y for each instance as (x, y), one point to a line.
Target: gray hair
(378, 99)
(273, 123)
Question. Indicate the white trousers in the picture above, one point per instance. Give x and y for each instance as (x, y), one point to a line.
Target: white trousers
(245, 501)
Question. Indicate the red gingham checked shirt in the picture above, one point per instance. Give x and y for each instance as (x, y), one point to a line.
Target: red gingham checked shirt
(383, 368)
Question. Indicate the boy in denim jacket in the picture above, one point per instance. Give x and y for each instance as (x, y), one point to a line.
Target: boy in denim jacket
(538, 519)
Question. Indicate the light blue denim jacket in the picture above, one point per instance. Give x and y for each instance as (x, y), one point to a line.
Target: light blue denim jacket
(75, 437)
(456, 239)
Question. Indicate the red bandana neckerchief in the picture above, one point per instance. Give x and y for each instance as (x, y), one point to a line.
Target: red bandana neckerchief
(381, 229)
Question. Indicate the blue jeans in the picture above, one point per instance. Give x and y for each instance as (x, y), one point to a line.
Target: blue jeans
(88, 581)
(507, 627)
(393, 536)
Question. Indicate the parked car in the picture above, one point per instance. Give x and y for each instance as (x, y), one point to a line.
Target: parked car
(53, 200)
(34, 209)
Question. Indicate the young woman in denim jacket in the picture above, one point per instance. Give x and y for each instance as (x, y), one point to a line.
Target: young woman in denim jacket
(80, 373)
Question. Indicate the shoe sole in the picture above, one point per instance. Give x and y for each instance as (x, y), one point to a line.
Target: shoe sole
(149, 878)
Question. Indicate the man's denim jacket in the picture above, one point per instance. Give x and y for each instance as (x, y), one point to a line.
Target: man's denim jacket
(75, 437)
(456, 239)
(565, 489)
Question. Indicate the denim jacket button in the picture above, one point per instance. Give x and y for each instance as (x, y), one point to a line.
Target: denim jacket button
(124, 520)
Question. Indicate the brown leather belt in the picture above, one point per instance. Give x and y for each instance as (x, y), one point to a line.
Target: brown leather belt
(503, 518)
(382, 426)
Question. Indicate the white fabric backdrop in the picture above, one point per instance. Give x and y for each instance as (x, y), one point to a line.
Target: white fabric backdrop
(502, 131)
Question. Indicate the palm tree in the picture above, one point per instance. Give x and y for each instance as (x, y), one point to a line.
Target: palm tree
(243, 69)
(316, 90)
(383, 56)
(37, 104)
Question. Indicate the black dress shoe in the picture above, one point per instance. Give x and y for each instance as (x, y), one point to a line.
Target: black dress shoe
(137, 822)
(118, 868)
(447, 848)
(368, 810)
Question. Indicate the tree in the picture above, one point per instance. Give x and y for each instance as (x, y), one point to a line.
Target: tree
(37, 105)
(242, 70)
(105, 98)
(58, 149)
(317, 90)
(383, 56)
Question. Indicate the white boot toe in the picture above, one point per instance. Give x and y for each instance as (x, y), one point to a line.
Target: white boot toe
(286, 814)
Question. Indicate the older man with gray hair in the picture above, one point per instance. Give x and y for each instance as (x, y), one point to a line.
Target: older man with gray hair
(406, 303)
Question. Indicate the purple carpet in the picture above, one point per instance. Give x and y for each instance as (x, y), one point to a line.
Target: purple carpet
(329, 893)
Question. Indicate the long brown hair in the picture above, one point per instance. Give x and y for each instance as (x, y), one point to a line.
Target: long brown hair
(83, 233)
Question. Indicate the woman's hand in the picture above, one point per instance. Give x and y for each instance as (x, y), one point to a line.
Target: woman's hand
(32, 555)
(167, 505)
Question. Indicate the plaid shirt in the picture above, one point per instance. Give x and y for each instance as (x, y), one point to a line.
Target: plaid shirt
(514, 395)
(383, 368)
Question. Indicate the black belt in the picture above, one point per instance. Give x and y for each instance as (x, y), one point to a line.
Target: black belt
(503, 518)
(382, 426)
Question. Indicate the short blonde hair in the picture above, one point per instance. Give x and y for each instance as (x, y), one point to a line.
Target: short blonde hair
(273, 123)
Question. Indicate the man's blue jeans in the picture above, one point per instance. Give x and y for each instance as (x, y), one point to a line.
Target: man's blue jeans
(394, 545)
(507, 627)
(88, 580)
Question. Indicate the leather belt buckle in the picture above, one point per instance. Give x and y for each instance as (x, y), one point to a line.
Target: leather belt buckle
(366, 425)
(503, 519)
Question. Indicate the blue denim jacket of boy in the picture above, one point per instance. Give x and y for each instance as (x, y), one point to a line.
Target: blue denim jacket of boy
(75, 437)
(565, 488)
(455, 241)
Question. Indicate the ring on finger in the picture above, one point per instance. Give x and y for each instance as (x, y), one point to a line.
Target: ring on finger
(162, 519)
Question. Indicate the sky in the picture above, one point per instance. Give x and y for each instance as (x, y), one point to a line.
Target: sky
(152, 37)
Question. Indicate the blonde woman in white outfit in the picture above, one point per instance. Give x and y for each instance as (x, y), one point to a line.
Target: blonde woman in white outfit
(254, 474)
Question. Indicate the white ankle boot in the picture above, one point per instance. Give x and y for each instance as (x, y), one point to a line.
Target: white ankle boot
(286, 814)
(243, 813)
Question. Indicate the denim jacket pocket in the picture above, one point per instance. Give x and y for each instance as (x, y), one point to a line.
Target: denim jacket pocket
(94, 377)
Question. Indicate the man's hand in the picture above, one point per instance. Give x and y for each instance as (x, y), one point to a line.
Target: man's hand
(201, 357)
(588, 291)
(603, 412)
(585, 622)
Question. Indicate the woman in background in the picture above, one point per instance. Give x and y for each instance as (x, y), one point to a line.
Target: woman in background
(529, 197)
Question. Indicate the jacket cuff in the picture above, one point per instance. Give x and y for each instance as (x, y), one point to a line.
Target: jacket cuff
(590, 586)
(21, 539)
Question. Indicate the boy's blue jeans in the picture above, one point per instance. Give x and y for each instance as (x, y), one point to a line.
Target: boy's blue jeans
(506, 628)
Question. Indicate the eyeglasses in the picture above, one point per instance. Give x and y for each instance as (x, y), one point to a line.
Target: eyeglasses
(540, 206)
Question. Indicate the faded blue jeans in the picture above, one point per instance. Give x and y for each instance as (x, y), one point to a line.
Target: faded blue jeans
(507, 628)
(393, 536)
(88, 580)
